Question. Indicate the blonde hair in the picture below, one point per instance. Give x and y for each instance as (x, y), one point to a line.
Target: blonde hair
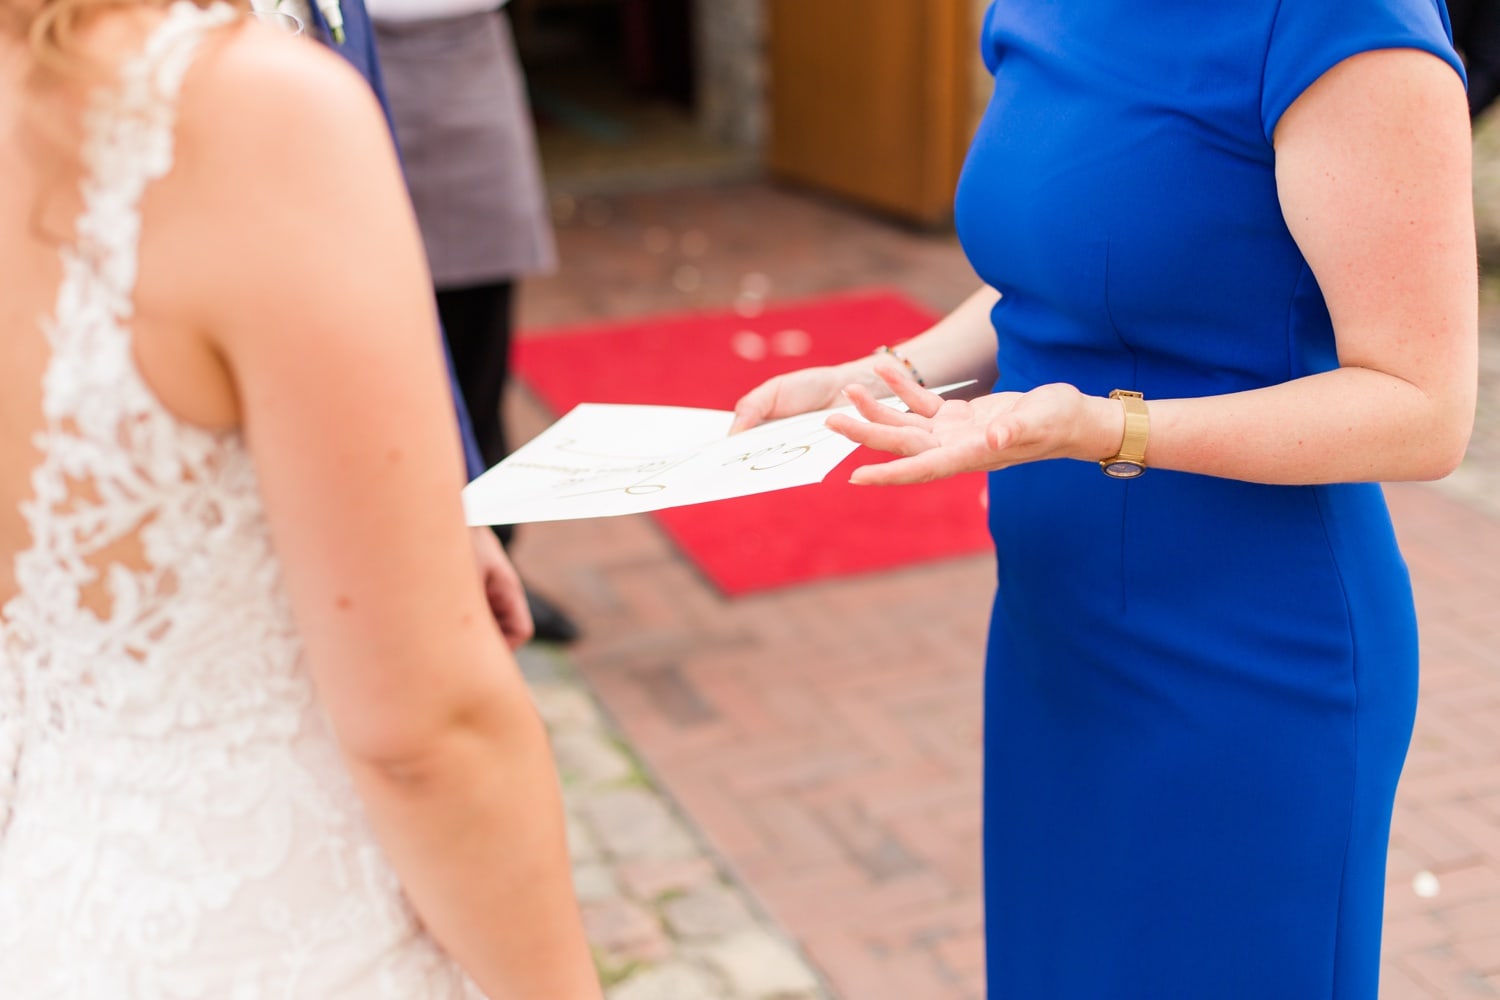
(52, 26)
(50, 125)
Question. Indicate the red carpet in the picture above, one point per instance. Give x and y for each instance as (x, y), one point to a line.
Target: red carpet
(709, 360)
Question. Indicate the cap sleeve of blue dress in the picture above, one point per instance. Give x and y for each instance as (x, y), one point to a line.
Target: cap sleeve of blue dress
(1310, 37)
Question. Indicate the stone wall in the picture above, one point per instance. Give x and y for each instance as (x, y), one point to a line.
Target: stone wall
(732, 74)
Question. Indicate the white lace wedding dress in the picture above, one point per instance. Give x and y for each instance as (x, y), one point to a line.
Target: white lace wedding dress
(175, 820)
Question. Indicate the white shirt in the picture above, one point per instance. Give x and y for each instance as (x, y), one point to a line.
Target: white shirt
(428, 10)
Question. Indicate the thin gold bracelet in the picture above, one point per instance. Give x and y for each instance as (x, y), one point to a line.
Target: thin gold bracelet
(910, 368)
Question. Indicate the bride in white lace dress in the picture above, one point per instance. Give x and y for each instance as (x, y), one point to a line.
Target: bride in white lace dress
(259, 737)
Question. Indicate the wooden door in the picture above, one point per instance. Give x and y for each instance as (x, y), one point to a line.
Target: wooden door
(872, 100)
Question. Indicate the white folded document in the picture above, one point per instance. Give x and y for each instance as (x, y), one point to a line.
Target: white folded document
(604, 459)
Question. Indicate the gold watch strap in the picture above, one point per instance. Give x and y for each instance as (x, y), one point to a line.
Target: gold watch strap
(1137, 427)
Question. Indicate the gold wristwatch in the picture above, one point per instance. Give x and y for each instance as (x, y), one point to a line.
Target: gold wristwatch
(1130, 461)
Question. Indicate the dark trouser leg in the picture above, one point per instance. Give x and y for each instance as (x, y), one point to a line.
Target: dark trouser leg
(1483, 55)
(477, 322)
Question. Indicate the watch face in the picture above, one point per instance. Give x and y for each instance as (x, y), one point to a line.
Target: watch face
(1123, 470)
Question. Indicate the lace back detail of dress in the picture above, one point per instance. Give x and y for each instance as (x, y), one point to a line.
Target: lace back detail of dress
(105, 434)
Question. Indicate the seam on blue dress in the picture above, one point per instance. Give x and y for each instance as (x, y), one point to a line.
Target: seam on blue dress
(1265, 62)
(1303, 274)
(1338, 917)
(1109, 313)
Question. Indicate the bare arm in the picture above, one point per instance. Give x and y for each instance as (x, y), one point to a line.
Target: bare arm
(1373, 166)
(957, 348)
(325, 322)
(1373, 170)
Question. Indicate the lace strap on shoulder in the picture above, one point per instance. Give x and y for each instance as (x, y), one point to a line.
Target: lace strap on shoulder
(129, 134)
(170, 49)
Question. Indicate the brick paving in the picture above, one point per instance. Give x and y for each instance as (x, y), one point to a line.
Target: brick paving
(824, 741)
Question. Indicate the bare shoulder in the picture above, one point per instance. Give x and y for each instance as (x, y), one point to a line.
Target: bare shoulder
(284, 164)
(254, 95)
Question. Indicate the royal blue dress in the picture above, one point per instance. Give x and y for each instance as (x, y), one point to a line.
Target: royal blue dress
(1200, 691)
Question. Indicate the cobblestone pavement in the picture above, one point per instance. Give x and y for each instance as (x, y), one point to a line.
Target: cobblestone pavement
(825, 740)
(665, 919)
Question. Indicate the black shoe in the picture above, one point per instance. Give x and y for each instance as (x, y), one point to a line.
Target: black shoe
(551, 622)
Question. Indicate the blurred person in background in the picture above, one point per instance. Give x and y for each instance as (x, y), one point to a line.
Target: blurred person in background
(1231, 287)
(458, 99)
(259, 733)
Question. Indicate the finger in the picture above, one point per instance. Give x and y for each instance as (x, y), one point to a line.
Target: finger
(513, 619)
(935, 463)
(1012, 430)
(507, 601)
(751, 410)
(916, 398)
(875, 411)
(765, 402)
(896, 440)
(516, 626)
(1000, 434)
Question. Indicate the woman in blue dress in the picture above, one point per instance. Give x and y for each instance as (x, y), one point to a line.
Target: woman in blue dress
(1230, 264)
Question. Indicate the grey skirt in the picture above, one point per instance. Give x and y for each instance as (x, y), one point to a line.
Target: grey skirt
(468, 145)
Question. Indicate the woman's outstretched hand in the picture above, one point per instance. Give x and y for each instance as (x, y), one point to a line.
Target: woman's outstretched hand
(802, 391)
(940, 437)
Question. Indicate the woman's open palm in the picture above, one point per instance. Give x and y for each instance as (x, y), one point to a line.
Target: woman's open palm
(939, 437)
